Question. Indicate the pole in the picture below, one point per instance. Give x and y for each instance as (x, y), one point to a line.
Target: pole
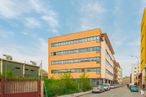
(138, 69)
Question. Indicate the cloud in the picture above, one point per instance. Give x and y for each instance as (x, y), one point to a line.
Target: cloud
(52, 22)
(12, 9)
(20, 9)
(31, 22)
(91, 14)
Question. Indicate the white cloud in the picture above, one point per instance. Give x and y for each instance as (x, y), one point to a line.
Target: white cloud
(52, 22)
(91, 14)
(16, 8)
(11, 9)
(31, 22)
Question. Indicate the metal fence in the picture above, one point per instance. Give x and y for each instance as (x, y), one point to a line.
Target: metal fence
(20, 88)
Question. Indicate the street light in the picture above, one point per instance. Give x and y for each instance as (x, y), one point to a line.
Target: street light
(138, 67)
(136, 59)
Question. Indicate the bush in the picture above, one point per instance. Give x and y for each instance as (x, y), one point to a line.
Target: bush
(84, 82)
(66, 85)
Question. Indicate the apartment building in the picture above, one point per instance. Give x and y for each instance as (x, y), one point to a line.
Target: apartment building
(87, 51)
(143, 47)
(135, 71)
(117, 73)
(120, 75)
(18, 69)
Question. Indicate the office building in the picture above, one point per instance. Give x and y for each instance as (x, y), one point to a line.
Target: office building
(87, 51)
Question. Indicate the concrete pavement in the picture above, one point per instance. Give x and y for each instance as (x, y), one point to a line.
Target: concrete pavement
(118, 92)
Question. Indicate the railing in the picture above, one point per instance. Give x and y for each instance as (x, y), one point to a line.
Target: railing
(20, 88)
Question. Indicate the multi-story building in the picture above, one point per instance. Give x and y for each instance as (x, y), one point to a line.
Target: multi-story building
(126, 80)
(88, 51)
(143, 47)
(135, 71)
(117, 73)
(18, 69)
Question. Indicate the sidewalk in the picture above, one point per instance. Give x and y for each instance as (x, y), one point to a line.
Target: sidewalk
(76, 94)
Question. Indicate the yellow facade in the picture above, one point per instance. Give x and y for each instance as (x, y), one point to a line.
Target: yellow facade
(87, 51)
(143, 41)
(81, 65)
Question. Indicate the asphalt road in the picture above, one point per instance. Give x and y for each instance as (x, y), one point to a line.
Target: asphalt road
(118, 92)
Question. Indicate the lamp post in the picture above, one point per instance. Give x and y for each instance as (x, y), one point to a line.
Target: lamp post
(138, 69)
(136, 59)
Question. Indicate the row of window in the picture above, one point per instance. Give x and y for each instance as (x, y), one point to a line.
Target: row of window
(97, 70)
(18, 68)
(109, 66)
(108, 55)
(76, 60)
(108, 72)
(97, 49)
(97, 38)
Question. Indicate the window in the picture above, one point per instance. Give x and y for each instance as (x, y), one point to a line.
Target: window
(80, 50)
(17, 67)
(31, 70)
(97, 70)
(76, 60)
(97, 38)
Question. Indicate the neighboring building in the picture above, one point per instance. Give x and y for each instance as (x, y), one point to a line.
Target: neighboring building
(120, 75)
(135, 71)
(117, 73)
(18, 69)
(88, 51)
(126, 80)
(143, 47)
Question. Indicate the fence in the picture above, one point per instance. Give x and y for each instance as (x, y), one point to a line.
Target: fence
(20, 88)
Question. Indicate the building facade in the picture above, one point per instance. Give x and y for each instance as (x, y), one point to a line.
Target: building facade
(126, 80)
(117, 73)
(18, 69)
(135, 71)
(88, 51)
(143, 47)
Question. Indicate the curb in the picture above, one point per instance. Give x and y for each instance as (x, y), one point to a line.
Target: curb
(76, 94)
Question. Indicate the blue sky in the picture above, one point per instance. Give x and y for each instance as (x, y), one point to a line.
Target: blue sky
(26, 25)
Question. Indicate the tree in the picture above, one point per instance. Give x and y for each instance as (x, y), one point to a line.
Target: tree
(84, 82)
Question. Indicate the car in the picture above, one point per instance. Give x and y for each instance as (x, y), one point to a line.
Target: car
(98, 89)
(130, 85)
(134, 88)
(112, 87)
(106, 87)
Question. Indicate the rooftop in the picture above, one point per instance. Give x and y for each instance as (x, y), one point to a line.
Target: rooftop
(19, 62)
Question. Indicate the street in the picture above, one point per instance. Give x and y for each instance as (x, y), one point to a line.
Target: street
(118, 92)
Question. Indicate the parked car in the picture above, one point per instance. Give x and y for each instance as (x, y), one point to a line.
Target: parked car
(97, 90)
(106, 87)
(134, 88)
(112, 87)
(130, 85)
(101, 87)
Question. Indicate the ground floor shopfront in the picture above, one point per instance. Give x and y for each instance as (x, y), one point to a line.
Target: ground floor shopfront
(97, 81)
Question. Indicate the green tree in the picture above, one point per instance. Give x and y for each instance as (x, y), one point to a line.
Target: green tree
(69, 85)
(84, 82)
